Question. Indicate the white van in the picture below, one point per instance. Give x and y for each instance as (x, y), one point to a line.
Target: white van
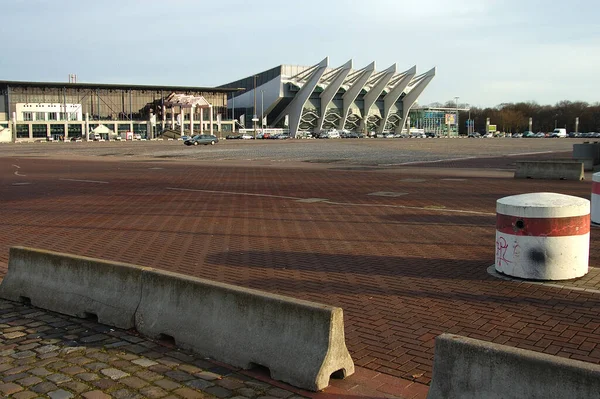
(94, 137)
(559, 132)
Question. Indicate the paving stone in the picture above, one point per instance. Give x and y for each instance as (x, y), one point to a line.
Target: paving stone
(207, 375)
(25, 395)
(188, 393)
(249, 392)
(14, 377)
(134, 382)
(97, 366)
(58, 378)
(153, 392)
(104, 383)
(40, 372)
(73, 370)
(199, 384)
(10, 388)
(87, 376)
(114, 374)
(230, 383)
(179, 375)
(13, 335)
(167, 384)
(95, 395)
(28, 346)
(76, 386)
(47, 348)
(219, 392)
(44, 387)
(28, 381)
(144, 362)
(279, 393)
(148, 375)
(125, 394)
(60, 394)
(22, 355)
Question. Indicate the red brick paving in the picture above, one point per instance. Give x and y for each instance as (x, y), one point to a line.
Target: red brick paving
(402, 275)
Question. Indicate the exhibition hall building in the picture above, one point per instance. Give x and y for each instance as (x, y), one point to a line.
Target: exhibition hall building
(294, 98)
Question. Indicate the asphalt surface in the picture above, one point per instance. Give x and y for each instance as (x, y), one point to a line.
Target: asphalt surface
(397, 232)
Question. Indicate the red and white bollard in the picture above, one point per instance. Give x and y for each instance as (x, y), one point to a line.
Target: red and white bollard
(542, 236)
(596, 198)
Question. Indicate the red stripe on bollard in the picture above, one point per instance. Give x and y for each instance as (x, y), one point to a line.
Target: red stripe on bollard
(596, 188)
(543, 227)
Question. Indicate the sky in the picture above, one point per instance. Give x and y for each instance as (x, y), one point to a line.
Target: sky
(486, 52)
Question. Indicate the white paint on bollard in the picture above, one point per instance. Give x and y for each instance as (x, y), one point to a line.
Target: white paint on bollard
(596, 198)
(542, 236)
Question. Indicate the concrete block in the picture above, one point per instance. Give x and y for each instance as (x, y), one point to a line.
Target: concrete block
(558, 170)
(301, 342)
(74, 285)
(467, 368)
(587, 151)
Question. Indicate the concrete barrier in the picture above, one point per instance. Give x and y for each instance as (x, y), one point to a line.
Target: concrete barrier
(587, 151)
(468, 368)
(302, 343)
(74, 285)
(558, 170)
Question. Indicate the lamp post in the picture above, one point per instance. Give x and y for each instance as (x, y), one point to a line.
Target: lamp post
(262, 110)
(456, 98)
(254, 120)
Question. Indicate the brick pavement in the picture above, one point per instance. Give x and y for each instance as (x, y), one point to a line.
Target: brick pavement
(404, 268)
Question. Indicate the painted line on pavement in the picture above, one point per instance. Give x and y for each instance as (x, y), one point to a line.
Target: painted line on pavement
(20, 184)
(530, 153)
(18, 174)
(85, 181)
(424, 208)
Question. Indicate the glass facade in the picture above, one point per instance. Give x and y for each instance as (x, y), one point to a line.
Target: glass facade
(103, 104)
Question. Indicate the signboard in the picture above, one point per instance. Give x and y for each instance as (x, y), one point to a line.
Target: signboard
(492, 128)
(450, 119)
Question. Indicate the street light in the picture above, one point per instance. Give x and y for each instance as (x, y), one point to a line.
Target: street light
(254, 119)
(456, 98)
(262, 110)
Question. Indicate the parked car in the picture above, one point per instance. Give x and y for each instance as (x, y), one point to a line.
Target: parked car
(539, 135)
(517, 135)
(559, 132)
(202, 139)
(232, 137)
(528, 134)
(246, 136)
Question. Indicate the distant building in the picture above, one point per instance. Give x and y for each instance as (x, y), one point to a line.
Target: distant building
(321, 98)
(40, 110)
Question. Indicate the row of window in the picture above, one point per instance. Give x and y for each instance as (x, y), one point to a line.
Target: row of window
(50, 116)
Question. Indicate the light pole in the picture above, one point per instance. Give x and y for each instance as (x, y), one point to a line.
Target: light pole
(262, 111)
(456, 98)
(254, 116)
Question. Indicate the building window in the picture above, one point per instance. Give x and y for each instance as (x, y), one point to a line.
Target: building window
(63, 116)
(27, 116)
(40, 116)
(51, 116)
(22, 131)
(38, 131)
(73, 116)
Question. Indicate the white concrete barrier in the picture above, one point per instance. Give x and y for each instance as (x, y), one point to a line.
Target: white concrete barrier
(74, 285)
(301, 342)
(465, 368)
(596, 198)
(557, 170)
(542, 236)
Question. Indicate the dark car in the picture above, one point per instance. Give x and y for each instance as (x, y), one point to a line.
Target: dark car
(205, 139)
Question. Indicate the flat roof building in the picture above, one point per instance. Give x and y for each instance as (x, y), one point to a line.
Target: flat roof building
(40, 110)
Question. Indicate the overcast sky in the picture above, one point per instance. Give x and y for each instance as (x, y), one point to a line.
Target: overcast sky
(487, 52)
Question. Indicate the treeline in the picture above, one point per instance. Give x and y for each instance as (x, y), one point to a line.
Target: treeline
(514, 118)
